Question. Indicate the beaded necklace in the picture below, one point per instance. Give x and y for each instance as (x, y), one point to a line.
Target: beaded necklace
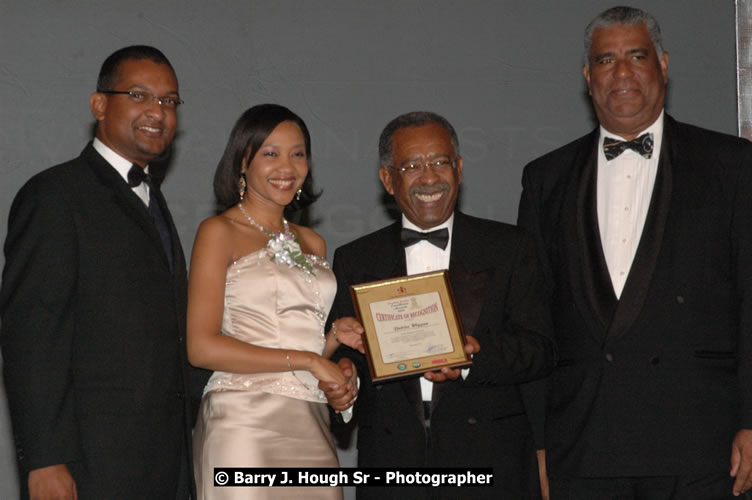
(284, 245)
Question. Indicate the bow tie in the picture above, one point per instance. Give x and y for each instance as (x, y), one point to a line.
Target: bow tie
(137, 175)
(439, 237)
(642, 145)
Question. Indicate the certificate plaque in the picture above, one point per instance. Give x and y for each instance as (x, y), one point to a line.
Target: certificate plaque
(411, 325)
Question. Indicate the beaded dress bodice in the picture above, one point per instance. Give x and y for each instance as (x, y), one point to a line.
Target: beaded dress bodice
(270, 304)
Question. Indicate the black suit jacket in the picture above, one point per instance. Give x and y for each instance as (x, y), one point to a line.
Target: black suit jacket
(479, 421)
(658, 382)
(93, 328)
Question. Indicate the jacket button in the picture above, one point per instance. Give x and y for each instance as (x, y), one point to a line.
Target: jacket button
(679, 299)
(181, 394)
(379, 387)
(655, 360)
(472, 420)
(609, 357)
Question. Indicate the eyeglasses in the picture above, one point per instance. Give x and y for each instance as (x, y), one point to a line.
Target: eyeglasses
(141, 97)
(440, 164)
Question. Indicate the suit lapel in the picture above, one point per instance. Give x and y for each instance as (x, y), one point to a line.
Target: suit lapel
(389, 260)
(157, 196)
(470, 273)
(391, 263)
(126, 199)
(597, 279)
(580, 244)
(638, 281)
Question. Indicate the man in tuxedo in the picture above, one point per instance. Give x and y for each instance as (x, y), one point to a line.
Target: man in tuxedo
(93, 305)
(644, 228)
(479, 419)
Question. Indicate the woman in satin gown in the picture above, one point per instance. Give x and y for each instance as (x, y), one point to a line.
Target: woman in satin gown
(259, 294)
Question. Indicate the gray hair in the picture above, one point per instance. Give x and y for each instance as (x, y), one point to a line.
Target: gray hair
(623, 16)
(412, 119)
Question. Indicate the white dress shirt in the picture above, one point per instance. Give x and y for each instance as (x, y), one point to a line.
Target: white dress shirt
(424, 257)
(625, 187)
(122, 166)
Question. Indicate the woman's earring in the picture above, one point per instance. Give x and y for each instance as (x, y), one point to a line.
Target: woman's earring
(241, 186)
(297, 195)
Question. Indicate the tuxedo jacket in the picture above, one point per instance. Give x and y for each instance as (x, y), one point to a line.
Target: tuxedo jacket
(479, 421)
(93, 329)
(657, 382)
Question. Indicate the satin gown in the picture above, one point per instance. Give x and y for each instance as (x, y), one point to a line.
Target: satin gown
(268, 419)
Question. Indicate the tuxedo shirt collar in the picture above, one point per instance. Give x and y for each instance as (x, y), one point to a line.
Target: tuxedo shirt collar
(121, 166)
(424, 256)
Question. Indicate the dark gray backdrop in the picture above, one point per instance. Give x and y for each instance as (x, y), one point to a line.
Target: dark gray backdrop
(507, 74)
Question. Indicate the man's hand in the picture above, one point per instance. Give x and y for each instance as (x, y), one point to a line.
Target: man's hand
(341, 397)
(51, 482)
(471, 347)
(741, 461)
(350, 332)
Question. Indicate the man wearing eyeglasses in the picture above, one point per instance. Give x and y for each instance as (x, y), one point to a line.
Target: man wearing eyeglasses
(93, 305)
(468, 418)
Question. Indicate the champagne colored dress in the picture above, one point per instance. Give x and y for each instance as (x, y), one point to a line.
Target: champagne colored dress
(268, 419)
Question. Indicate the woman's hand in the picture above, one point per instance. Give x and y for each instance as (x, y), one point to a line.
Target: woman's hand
(342, 397)
(348, 331)
(326, 371)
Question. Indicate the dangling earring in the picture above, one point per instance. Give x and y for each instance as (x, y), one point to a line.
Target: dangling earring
(241, 186)
(297, 195)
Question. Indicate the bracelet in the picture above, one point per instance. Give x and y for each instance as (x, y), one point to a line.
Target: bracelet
(334, 332)
(289, 366)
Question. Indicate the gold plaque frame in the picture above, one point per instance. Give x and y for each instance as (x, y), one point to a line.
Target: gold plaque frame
(411, 325)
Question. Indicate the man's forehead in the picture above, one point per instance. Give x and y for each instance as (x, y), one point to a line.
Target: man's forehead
(420, 136)
(623, 47)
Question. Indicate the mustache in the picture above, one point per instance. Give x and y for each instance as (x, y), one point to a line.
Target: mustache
(432, 189)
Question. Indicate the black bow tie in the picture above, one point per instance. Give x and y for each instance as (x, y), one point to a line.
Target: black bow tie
(642, 145)
(137, 175)
(439, 237)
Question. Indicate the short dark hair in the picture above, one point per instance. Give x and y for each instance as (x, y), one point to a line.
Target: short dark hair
(623, 16)
(247, 136)
(108, 74)
(412, 119)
